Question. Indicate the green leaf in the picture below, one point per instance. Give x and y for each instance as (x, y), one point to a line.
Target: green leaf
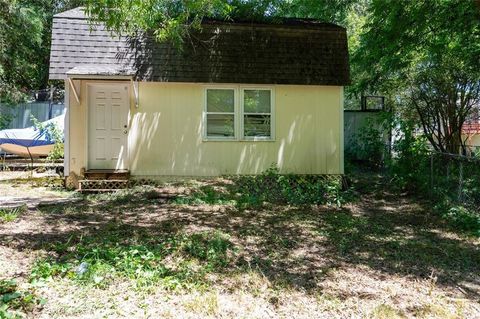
(10, 296)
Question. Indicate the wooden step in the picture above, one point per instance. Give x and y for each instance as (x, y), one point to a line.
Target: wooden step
(98, 174)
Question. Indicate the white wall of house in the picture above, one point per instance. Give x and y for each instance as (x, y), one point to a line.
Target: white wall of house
(167, 132)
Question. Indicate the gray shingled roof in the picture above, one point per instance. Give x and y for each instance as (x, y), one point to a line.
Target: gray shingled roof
(300, 52)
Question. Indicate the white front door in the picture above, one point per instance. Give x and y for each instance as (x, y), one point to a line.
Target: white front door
(108, 108)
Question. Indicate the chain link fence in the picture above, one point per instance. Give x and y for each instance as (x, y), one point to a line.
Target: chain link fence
(456, 177)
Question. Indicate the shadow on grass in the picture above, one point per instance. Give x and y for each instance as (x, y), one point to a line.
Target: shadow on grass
(148, 236)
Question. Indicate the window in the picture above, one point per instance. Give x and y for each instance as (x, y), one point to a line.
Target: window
(245, 117)
(257, 114)
(220, 113)
(372, 103)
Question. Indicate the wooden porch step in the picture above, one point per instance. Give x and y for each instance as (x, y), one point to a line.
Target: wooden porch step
(102, 185)
(98, 174)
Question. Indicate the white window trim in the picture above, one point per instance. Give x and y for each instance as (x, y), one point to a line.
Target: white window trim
(238, 114)
(235, 114)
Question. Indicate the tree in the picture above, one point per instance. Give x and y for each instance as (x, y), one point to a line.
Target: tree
(428, 50)
(334, 11)
(25, 33)
(168, 20)
(444, 93)
(173, 19)
(21, 31)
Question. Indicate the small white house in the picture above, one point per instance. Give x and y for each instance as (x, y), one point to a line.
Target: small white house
(236, 98)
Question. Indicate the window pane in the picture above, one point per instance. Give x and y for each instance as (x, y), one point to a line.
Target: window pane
(257, 125)
(219, 100)
(219, 125)
(256, 101)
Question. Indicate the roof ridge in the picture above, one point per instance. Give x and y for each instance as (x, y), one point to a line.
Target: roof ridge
(79, 13)
(75, 13)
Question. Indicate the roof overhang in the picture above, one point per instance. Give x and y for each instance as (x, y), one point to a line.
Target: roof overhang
(103, 73)
(99, 77)
(97, 71)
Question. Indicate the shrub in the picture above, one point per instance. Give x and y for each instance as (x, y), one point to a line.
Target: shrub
(270, 187)
(449, 180)
(410, 166)
(460, 217)
(369, 143)
(52, 133)
(273, 187)
(5, 120)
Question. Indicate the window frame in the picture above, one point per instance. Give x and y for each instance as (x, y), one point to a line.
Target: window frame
(206, 113)
(243, 113)
(238, 115)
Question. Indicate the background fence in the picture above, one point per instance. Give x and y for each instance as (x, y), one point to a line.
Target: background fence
(362, 129)
(456, 177)
(20, 115)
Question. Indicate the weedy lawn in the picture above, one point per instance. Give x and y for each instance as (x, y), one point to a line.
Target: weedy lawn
(195, 250)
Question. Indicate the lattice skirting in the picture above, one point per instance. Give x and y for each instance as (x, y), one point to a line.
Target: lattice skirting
(102, 185)
(143, 182)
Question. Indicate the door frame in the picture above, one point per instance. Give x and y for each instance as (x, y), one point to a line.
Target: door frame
(106, 82)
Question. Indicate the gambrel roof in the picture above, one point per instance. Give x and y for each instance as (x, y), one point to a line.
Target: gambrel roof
(302, 52)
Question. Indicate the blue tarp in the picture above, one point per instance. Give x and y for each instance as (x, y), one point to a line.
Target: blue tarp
(31, 136)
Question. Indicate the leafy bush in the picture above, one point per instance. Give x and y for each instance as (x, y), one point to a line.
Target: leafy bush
(52, 133)
(273, 187)
(270, 187)
(449, 180)
(460, 217)
(410, 167)
(368, 144)
(5, 120)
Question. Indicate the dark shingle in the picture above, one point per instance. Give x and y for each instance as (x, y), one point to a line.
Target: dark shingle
(295, 52)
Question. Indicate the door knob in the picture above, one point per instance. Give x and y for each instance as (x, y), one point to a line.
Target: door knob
(125, 132)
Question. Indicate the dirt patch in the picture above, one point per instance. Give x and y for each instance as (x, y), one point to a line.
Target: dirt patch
(30, 188)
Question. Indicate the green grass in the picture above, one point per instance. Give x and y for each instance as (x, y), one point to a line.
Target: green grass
(8, 215)
(120, 252)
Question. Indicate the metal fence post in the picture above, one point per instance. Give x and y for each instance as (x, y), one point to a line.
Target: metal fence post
(460, 182)
(431, 174)
(448, 169)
